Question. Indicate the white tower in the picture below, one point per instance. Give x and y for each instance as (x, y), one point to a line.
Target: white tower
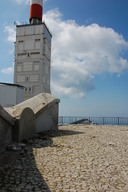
(33, 53)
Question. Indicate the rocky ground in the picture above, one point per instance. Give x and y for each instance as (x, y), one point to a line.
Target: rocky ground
(77, 158)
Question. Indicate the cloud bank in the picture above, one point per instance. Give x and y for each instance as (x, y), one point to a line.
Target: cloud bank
(79, 53)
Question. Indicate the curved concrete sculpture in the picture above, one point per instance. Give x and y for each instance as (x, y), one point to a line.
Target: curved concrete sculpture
(37, 114)
(25, 125)
(22, 121)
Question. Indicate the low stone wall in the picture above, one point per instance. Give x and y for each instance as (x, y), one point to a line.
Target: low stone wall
(22, 121)
(6, 124)
(47, 118)
(25, 126)
(37, 114)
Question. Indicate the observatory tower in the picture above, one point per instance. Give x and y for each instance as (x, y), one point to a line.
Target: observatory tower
(33, 53)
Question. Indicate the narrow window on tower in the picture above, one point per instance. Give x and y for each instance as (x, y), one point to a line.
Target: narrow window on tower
(35, 55)
(27, 78)
(22, 55)
(30, 89)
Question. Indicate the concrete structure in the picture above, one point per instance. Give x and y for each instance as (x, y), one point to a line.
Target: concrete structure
(6, 124)
(37, 114)
(24, 127)
(33, 54)
(11, 94)
(24, 120)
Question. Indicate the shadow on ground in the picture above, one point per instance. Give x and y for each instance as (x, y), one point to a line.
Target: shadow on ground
(22, 175)
(18, 170)
(60, 133)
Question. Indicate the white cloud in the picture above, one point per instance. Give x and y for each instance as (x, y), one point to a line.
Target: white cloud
(81, 52)
(11, 33)
(8, 70)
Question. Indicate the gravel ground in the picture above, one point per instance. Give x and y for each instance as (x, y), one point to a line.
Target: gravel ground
(77, 158)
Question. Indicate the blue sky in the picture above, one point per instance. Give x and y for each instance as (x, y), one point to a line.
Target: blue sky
(89, 52)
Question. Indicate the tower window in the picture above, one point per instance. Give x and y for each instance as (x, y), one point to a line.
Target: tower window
(37, 39)
(35, 53)
(27, 78)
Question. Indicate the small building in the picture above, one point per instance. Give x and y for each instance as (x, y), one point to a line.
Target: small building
(11, 94)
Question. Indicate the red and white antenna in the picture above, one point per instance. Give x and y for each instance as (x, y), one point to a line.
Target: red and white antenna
(36, 9)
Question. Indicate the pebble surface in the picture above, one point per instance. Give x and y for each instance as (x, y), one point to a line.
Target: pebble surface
(77, 158)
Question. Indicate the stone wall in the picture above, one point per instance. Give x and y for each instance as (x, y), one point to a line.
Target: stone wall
(37, 114)
(22, 121)
(48, 118)
(6, 124)
(25, 126)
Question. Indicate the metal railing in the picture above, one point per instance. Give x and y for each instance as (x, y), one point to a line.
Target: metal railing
(94, 120)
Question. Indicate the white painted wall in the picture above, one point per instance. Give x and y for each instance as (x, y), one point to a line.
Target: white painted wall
(11, 95)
